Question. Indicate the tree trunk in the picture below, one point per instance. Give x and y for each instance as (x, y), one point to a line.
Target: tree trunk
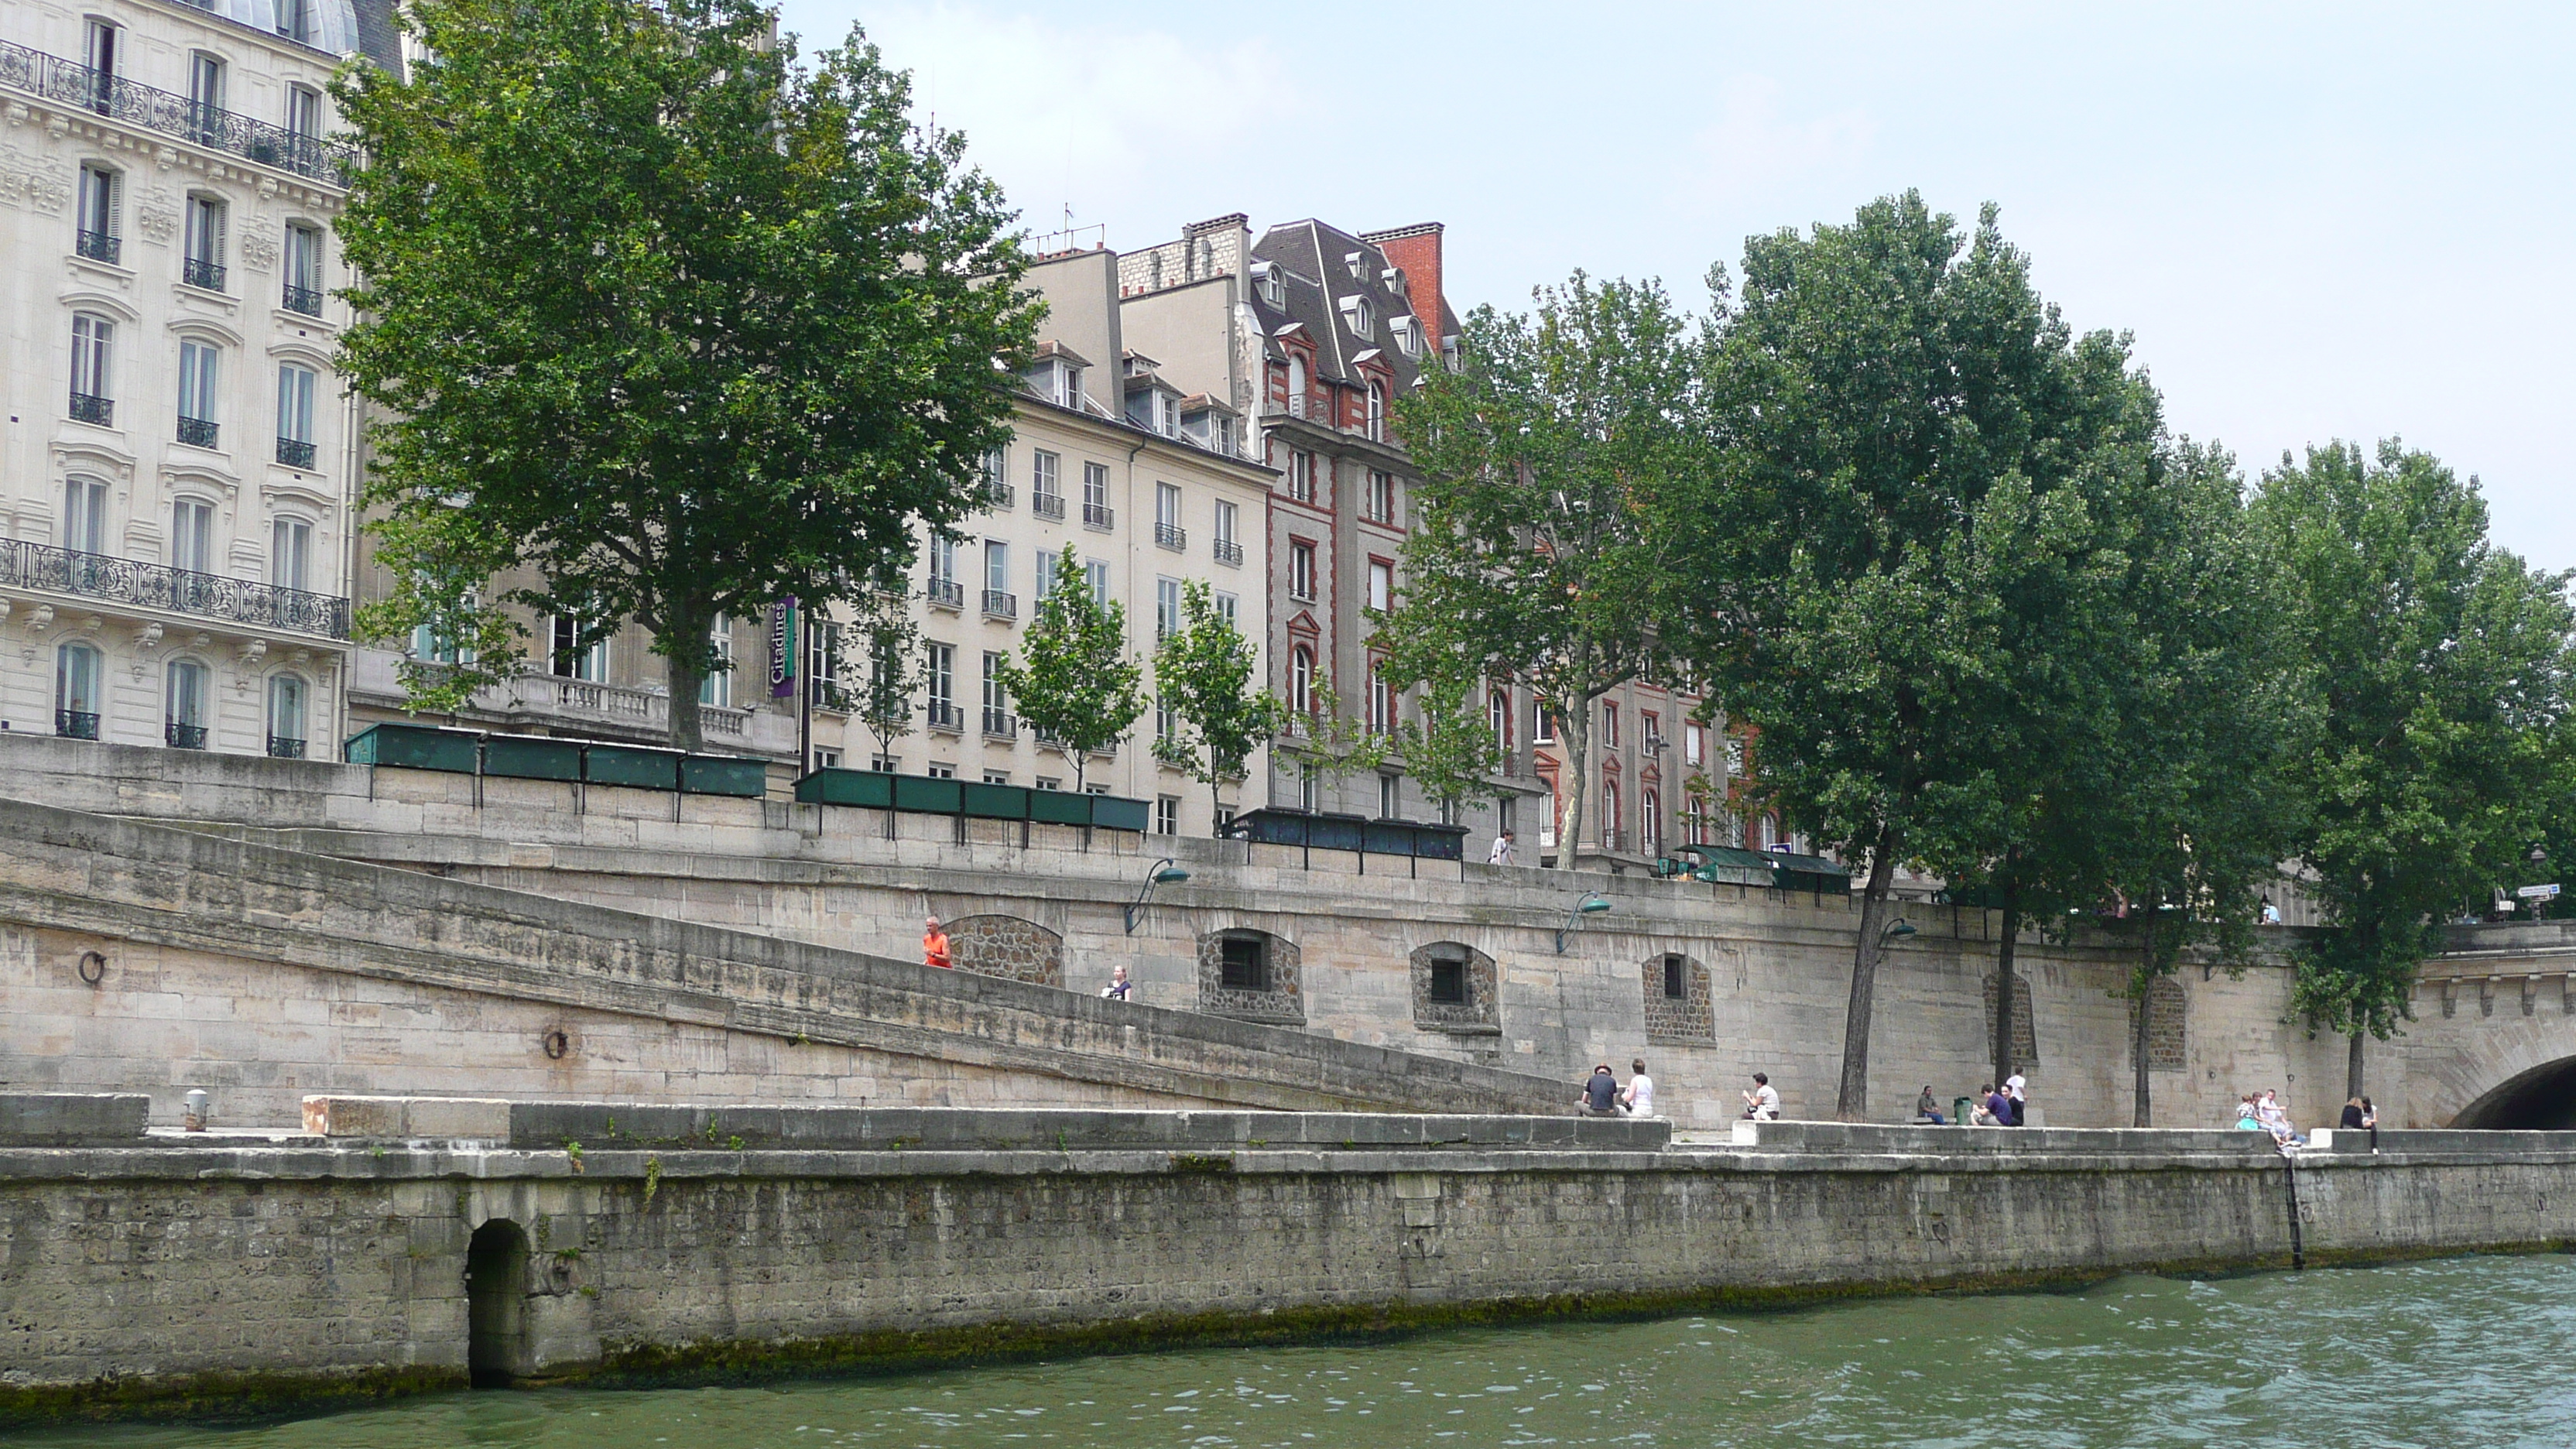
(2005, 996)
(2352, 1063)
(2145, 1114)
(1851, 1102)
(687, 672)
(1577, 723)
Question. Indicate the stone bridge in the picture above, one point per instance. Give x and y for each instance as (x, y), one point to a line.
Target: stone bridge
(2493, 1042)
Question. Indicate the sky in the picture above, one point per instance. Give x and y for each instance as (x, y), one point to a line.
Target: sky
(2317, 221)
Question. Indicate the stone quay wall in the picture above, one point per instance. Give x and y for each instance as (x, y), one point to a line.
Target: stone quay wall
(341, 1268)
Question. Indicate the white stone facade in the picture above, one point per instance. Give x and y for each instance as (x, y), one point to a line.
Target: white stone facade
(176, 478)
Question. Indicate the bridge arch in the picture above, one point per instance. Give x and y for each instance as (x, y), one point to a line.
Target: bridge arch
(2534, 1099)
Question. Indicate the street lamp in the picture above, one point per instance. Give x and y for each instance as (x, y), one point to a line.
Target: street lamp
(1593, 903)
(1163, 873)
(1897, 930)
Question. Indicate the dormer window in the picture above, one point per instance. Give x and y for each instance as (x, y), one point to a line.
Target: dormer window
(1394, 279)
(1408, 333)
(1357, 312)
(1270, 284)
(1358, 264)
(1059, 381)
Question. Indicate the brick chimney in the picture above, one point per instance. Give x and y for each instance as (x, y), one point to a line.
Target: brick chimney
(1416, 249)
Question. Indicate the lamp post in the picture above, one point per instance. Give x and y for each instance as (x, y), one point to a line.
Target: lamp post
(1592, 903)
(1163, 873)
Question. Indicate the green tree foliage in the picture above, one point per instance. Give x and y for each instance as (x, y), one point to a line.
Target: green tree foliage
(662, 316)
(1544, 459)
(1205, 673)
(1448, 746)
(2441, 668)
(884, 633)
(1328, 743)
(1073, 680)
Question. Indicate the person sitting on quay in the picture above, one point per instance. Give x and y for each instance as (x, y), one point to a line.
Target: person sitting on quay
(2015, 1092)
(1996, 1110)
(2276, 1120)
(1638, 1097)
(2249, 1118)
(1601, 1093)
(1928, 1110)
(1762, 1104)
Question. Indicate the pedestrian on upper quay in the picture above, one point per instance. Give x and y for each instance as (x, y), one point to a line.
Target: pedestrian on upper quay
(1762, 1104)
(1119, 986)
(934, 946)
(1501, 854)
(2014, 1089)
(1601, 1093)
(1927, 1108)
(1639, 1095)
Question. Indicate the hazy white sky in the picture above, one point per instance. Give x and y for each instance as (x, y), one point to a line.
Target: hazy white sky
(2319, 220)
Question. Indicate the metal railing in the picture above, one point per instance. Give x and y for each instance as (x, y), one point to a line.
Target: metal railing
(1228, 551)
(91, 408)
(1099, 515)
(157, 586)
(282, 748)
(73, 724)
(1047, 505)
(198, 273)
(947, 593)
(70, 83)
(198, 432)
(1000, 724)
(295, 452)
(946, 716)
(307, 300)
(1001, 604)
(184, 736)
(1171, 536)
(98, 246)
(997, 494)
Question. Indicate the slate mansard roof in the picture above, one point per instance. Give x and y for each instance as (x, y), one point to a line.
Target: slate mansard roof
(1313, 261)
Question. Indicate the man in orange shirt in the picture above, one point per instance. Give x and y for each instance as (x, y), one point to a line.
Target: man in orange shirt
(934, 946)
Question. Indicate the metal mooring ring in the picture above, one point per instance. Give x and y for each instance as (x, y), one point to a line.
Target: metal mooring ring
(93, 967)
(556, 1044)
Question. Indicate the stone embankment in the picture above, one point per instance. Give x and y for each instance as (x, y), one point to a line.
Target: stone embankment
(412, 1244)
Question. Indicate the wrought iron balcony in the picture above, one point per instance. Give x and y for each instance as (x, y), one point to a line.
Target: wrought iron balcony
(198, 432)
(184, 736)
(947, 593)
(295, 452)
(282, 748)
(947, 717)
(91, 408)
(1099, 515)
(1228, 551)
(155, 586)
(70, 83)
(1001, 604)
(1171, 536)
(198, 273)
(307, 300)
(73, 724)
(98, 246)
(997, 494)
(1000, 724)
(1047, 505)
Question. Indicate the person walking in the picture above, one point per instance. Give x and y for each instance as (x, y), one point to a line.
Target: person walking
(934, 946)
(1762, 1104)
(2014, 1092)
(1119, 986)
(1639, 1095)
(1601, 1093)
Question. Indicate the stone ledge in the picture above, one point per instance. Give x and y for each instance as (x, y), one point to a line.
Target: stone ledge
(70, 1119)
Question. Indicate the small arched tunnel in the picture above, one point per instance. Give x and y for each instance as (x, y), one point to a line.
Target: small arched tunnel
(2542, 1099)
(496, 1298)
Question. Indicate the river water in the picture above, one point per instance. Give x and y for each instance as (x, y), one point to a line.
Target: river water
(2462, 1352)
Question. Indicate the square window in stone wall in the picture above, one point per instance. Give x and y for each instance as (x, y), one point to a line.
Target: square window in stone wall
(1455, 989)
(1251, 975)
(1679, 1007)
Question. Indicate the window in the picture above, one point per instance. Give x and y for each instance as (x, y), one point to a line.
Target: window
(303, 270)
(206, 98)
(1095, 789)
(826, 759)
(1301, 475)
(76, 692)
(1060, 382)
(1301, 570)
(295, 387)
(431, 643)
(1377, 414)
(885, 764)
(941, 772)
(1049, 782)
(93, 349)
(717, 688)
(1048, 563)
(303, 103)
(997, 777)
(943, 687)
(102, 214)
(1310, 789)
(1096, 512)
(184, 717)
(1226, 607)
(1240, 966)
(1498, 713)
(1610, 831)
(1296, 386)
(1609, 725)
(1408, 334)
(1542, 722)
(823, 664)
(1360, 315)
(1229, 548)
(998, 599)
(1270, 283)
(286, 717)
(192, 535)
(84, 514)
(197, 394)
(1046, 488)
(290, 553)
(1167, 815)
(1095, 577)
(1381, 585)
(1650, 804)
(1381, 700)
(1694, 744)
(1449, 976)
(1167, 608)
(572, 659)
(1167, 517)
(1653, 724)
(100, 54)
(1676, 978)
(1390, 796)
(997, 699)
(1301, 680)
(1166, 724)
(204, 261)
(944, 590)
(1381, 495)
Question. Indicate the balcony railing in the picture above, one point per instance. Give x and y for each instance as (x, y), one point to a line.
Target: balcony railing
(295, 452)
(1001, 604)
(98, 246)
(946, 716)
(91, 408)
(198, 273)
(1228, 551)
(636, 706)
(997, 494)
(282, 748)
(198, 432)
(1171, 536)
(73, 84)
(1047, 505)
(947, 593)
(184, 736)
(73, 724)
(307, 300)
(1000, 724)
(156, 586)
(1099, 515)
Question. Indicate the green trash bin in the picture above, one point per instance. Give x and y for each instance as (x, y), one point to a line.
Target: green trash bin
(1961, 1109)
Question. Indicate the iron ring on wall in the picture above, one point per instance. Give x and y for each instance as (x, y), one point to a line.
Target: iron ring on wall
(93, 967)
(556, 1044)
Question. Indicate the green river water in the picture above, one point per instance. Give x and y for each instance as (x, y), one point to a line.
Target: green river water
(2471, 1351)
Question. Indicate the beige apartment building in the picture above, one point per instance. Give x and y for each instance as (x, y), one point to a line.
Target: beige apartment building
(177, 471)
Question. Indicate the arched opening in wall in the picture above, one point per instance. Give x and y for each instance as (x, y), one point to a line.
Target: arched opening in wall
(1252, 975)
(1007, 946)
(1455, 990)
(496, 1297)
(2542, 1099)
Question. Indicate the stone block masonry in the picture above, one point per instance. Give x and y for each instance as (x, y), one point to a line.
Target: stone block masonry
(350, 1268)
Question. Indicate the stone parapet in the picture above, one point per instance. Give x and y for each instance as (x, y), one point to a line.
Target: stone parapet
(71, 1119)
